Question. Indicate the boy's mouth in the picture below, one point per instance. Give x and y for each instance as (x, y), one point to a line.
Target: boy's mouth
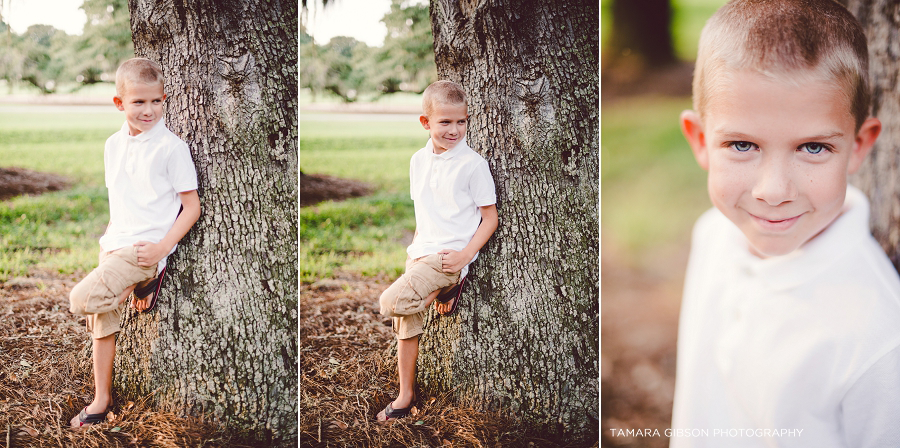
(776, 224)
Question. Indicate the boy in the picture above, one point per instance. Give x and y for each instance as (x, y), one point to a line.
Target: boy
(790, 323)
(453, 193)
(149, 175)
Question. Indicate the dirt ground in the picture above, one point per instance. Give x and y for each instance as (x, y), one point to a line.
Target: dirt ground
(640, 305)
(18, 181)
(315, 188)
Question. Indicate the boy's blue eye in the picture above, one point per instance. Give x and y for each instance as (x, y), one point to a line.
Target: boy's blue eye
(812, 148)
(742, 146)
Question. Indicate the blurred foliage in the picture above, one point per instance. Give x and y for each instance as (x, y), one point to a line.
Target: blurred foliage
(352, 70)
(688, 18)
(49, 60)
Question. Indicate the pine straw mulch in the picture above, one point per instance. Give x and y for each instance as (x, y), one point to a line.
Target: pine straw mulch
(348, 374)
(18, 181)
(46, 378)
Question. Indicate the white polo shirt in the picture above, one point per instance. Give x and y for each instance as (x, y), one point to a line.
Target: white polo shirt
(144, 175)
(447, 190)
(799, 350)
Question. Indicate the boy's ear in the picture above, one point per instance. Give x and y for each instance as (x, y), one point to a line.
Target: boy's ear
(865, 139)
(693, 132)
(424, 120)
(118, 102)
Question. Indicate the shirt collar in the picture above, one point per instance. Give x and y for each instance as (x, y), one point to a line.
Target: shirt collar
(144, 136)
(819, 253)
(450, 153)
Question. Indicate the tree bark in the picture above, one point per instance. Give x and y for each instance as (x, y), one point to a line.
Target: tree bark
(222, 340)
(879, 175)
(525, 339)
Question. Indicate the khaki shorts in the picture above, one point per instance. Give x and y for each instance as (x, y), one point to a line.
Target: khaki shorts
(95, 295)
(404, 300)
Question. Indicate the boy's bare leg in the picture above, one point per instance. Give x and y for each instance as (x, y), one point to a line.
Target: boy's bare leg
(104, 353)
(407, 354)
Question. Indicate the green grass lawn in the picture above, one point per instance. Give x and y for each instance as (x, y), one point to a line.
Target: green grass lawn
(56, 231)
(365, 235)
(652, 189)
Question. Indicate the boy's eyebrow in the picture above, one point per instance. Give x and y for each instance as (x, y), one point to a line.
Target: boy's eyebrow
(729, 135)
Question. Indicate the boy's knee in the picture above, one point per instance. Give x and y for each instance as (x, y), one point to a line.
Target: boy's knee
(78, 299)
(386, 302)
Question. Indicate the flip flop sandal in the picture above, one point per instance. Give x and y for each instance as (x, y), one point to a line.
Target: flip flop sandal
(453, 293)
(152, 287)
(392, 414)
(91, 419)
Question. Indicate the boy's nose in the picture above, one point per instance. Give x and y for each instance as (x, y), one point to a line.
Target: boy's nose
(774, 184)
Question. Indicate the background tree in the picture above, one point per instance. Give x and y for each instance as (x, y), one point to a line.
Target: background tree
(641, 30)
(222, 340)
(105, 42)
(350, 70)
(406, 60)
(526, 337)
(879, 176)
(52, 61)
(42, 49)
(345, 59)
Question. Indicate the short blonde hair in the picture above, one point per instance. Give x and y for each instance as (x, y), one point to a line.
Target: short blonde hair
(444, 92)
(794, 41)
(137, 70)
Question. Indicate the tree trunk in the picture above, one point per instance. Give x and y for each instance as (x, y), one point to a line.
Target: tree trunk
(879, 176)
(525, 339)
(222, 341)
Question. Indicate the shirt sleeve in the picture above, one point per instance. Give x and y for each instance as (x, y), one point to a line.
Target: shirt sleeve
(871, 408)
(180, 169)
(481, 185)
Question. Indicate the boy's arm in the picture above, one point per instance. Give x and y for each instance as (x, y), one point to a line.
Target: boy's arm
(454, 261)
(149, 253)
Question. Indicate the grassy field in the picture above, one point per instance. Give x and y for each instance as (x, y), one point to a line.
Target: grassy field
(55, 231)
(366, 235)
(652, 189)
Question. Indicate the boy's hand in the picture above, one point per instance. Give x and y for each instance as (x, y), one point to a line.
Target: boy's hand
(453, 261)
(149, 253)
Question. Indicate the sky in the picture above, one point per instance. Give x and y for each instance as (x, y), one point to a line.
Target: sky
(65, 15)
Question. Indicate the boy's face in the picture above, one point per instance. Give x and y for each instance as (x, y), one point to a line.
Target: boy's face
(142, 104)
(446, 124)
(778, 156)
